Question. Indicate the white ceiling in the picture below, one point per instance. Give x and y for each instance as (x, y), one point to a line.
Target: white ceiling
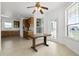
(20, 10)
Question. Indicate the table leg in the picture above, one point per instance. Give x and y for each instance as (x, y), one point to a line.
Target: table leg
(33, 45)
(45, 41)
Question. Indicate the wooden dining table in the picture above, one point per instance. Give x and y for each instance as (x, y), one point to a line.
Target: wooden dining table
(36, 36)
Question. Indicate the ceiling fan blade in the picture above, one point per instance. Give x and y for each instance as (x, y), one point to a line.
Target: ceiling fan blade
(31, 7)
(41, 11)
(44, 8)
(33, 12)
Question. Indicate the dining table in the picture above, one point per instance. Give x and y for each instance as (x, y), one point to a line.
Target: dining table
(36, 36)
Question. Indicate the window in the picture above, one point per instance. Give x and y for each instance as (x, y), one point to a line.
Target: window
(38, 25)
(7, 25)
(73, 21)
(16, 24)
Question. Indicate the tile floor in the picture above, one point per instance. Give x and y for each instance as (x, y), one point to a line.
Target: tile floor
(16, 46)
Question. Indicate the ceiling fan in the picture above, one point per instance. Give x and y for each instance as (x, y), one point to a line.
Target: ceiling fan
(39, 7)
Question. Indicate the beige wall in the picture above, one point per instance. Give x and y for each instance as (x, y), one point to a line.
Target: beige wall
(0, 26)
(0, 34)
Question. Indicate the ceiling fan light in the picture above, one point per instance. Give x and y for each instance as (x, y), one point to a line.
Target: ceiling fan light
(39, 8)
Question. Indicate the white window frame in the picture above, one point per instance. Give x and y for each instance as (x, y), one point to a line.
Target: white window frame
(66, 19)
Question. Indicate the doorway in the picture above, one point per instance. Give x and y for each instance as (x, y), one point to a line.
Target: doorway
(53, 29)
